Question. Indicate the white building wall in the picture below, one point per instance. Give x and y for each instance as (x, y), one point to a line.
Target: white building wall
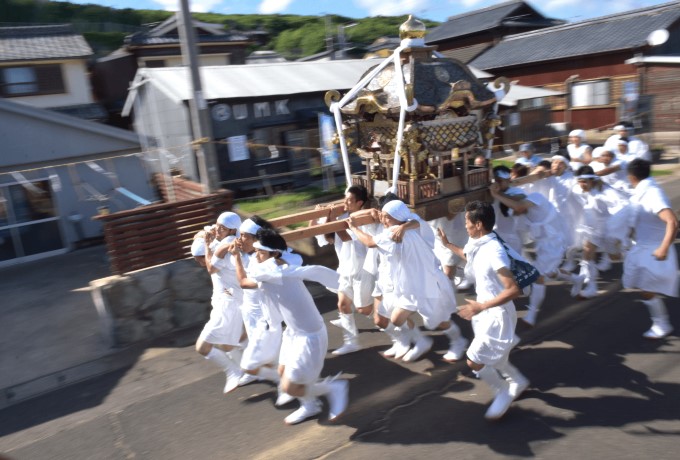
(167, 123)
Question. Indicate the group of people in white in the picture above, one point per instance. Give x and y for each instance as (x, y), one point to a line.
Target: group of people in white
(395, 268)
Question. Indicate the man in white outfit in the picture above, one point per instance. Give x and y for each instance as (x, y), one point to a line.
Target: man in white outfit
(637, 148)
(651, 265)
(263, 323)
(579, 151)
(305, 340)
(493, 313)
(356, 284)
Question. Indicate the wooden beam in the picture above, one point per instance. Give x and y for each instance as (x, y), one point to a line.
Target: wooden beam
(334, 210)
(322, 229)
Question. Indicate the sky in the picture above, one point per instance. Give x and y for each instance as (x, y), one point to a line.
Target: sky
(436, 10)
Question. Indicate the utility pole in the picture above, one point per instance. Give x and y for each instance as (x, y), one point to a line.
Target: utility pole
(201, 123)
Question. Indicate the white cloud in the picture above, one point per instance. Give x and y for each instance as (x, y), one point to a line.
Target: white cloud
(393, 7)
(197, 6)
(467, 3)
(273, 6)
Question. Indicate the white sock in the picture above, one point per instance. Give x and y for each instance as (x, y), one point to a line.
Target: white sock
(348, 324)
(269, 373)
(220, 358)
(537, 296)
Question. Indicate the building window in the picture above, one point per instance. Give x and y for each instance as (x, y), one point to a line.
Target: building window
(525, 104)
(31, 80)
(590, 93)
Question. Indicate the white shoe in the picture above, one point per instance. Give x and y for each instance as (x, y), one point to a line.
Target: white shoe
(590, 290)
(349, 347)
(392, 351)
(337, 399)
(604, 264)
(421, 347)
(500, 405)
(658, 331)
(336, 322)
(456, 350)
(578, 285)
(283, 398)
(401, 349)
(303, 413)
(233, 378)
(246, 379)
(530, 317)
(461, 283)
(516, 387)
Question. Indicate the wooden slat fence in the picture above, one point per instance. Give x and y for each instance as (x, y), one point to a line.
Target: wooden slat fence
(159, 233)
(176, 188)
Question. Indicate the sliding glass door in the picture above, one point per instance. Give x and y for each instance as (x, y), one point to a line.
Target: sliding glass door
(29, 222)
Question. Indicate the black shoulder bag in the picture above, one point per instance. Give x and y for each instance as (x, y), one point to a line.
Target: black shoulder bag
(523, 272)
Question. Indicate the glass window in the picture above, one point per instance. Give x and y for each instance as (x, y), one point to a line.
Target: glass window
(20, 80)
(32, 201)
(590, 93)
(40, 237)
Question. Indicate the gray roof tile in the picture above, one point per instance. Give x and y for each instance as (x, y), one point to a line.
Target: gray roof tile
(486, 19)
(42, 42)
(600, 35)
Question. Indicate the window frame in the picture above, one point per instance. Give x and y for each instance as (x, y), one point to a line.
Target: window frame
(593, 94)
(47, 79)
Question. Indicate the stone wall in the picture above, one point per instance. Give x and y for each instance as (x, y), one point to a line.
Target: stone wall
(147, 303)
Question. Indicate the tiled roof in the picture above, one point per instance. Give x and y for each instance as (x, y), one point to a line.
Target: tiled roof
(600, 35)
(142, 39)
(486, 19)
(467, 53)
(42, 42)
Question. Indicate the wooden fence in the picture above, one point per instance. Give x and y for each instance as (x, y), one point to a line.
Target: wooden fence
(159, 233)
(176, 188)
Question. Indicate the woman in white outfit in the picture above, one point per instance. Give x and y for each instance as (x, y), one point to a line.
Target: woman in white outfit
(418, 285)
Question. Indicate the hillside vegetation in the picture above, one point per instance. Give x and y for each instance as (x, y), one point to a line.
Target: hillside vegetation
(291, 35)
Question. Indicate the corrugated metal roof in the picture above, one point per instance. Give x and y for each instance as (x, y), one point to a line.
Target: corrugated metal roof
(42, 42)
(474, 21)
(600, 35)
(260, 80)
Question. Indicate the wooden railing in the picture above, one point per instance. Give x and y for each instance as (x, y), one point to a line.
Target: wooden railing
(159, 233)
(176, 188)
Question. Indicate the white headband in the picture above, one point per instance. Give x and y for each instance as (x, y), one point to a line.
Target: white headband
(248, 226)
(262, 247)
(398, 210)
(560, 158)
(587, 176)
(502, 174)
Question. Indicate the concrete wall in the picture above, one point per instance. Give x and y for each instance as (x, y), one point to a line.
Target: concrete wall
(147, 303)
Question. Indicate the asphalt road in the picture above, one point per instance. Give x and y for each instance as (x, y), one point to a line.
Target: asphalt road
(598, 390)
